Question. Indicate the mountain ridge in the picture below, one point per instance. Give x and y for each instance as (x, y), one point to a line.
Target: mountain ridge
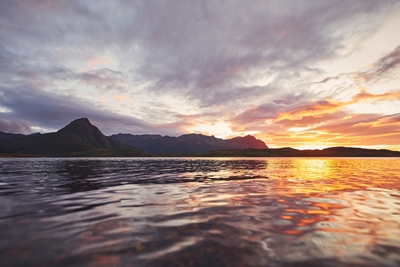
(292, 152)
(78, 138)
(4, 135)
(82, 139)
(187, 143)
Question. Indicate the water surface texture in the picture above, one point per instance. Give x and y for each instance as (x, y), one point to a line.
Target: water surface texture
(200, 212)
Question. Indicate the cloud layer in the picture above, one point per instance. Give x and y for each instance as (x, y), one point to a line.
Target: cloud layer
(282, 70)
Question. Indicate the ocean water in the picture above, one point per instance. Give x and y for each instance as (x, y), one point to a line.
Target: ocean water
(200, 212)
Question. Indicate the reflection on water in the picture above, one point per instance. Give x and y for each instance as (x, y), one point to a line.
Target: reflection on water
(200, 212)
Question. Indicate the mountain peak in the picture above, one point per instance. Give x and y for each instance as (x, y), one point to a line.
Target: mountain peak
(86, 120)
(81, 121)
(79, 137)
(248, 141)
(79, 126)
(89, 133)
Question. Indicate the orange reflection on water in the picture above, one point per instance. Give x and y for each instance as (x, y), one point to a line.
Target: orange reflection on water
(321, 208)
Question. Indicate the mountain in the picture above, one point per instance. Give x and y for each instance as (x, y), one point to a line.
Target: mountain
(186, 144)
(82, 139)
(90, 134)
(4, 135)
(291, 152)
(79, 138)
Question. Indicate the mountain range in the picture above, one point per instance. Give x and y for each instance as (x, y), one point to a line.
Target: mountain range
(186, 144)
(79, 138)
(4, 135)
(291, 152)
(82, 139)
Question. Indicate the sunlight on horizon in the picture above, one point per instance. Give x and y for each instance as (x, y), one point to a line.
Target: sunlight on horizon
(219, 129)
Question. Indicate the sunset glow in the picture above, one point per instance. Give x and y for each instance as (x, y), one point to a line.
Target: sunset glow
(220, 129)
(295, 74)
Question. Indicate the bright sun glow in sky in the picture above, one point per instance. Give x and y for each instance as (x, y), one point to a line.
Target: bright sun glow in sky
(219, 129)
(302, 74)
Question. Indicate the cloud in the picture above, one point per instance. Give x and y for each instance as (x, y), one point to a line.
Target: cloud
(53, 111)
(257, 65)
(203, 59)
(376, 129)
(321, 121)
(363, 96)
(311, 121)
(357, 130)
(384, 65)
(262, 112)
(289, 99)
(10, 126)
(103, 79)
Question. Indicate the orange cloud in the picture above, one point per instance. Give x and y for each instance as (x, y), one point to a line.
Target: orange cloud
(121, 97)
(312, 109)
(324, 122)
(364, 96)
(318, 108)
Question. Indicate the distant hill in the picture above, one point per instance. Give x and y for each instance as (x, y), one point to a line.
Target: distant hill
(79, 138)
(291, 152)
(187, 144)
(4, 135)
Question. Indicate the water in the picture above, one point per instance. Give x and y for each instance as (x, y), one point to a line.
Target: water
(200, 212)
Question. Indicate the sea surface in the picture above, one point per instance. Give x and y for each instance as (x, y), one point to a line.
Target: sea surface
(200, 212)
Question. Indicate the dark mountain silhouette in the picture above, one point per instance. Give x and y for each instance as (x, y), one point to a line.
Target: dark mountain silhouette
(90, 134)
(4, 135)
(79, 138)
(188, 143)
(291, 152)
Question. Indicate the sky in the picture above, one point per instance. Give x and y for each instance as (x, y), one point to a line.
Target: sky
(301, 74)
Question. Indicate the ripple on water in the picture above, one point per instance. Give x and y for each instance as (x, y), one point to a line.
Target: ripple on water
(200, 212)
